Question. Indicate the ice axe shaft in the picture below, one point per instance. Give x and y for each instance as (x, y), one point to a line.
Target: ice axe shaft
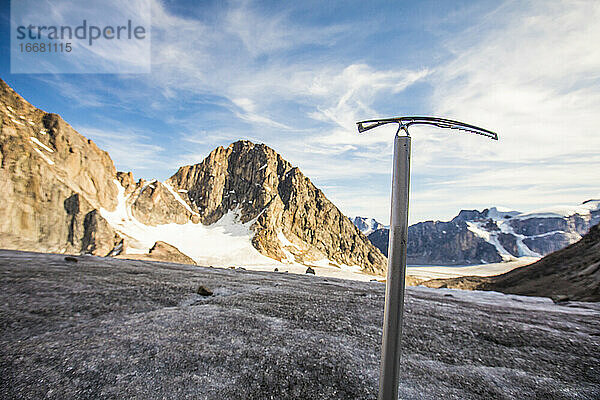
(396, 274)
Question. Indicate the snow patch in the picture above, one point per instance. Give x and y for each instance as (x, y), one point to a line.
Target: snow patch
(48, 160)
(562, 211)
(224, 243)
(505, 227)
(367, 225)
(42, 145)
(179, 199)
(492, 238)
(284, 241)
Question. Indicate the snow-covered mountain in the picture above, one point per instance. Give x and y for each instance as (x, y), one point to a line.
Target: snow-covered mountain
(367, 225)
(495, 234)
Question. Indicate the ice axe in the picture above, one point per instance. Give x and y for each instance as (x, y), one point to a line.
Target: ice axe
(398, 239)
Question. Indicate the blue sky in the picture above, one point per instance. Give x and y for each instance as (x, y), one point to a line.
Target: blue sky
(298, 75)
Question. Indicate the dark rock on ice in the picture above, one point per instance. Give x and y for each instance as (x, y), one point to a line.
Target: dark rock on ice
(203, 291)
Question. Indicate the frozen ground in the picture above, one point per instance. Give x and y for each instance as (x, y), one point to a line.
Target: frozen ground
(422, 272)
(107, 328)
(435, 272)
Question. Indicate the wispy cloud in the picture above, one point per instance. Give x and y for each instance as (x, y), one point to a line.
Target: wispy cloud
(129, 150)
(529, 70)
(533, 74)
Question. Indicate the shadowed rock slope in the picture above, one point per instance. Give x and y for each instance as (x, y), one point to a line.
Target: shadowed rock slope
(441, 243)
(104, 328)
(573, 273)
(494, 234)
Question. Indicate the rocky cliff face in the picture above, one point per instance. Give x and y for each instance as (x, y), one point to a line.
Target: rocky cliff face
(52, 181)
(436, 242)
(291, 218)
(494, 235)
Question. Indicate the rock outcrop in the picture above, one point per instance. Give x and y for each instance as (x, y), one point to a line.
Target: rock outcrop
(436, 242)
(155, 203)
(162, 251)
(52, 180)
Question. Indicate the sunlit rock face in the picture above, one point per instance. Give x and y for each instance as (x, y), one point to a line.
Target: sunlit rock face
(52, 181)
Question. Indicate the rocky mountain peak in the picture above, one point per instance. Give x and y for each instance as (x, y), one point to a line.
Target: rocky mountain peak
(367, 225)
(243, 176)
(292, 219)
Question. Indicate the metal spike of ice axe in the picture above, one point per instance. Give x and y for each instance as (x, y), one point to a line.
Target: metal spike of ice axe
(398, 239)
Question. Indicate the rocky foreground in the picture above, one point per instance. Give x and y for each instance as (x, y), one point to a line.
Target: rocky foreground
(92, 327)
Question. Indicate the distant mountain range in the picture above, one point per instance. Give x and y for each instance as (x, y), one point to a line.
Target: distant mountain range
(367, 225)
(572, 273)
(493, 235)
(242, 205)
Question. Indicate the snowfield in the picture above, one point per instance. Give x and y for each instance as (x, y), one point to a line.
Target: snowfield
(427, 272)
(562, 211)
(228, 242)
(103, 328)
(224, 243)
